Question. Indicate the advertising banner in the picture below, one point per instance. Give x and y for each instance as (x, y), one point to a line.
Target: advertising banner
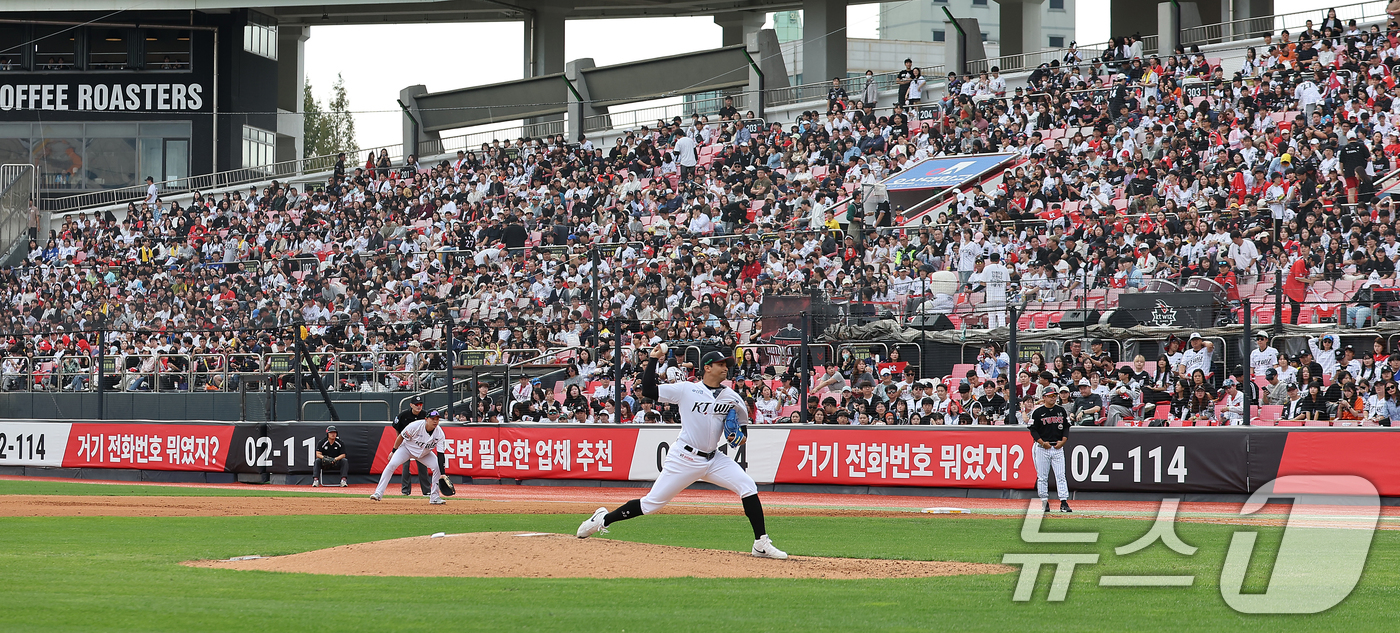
(1167, 460)
(1368, 454)
(186, 447)
(1151, 460)
(877, 457)
(944, 172)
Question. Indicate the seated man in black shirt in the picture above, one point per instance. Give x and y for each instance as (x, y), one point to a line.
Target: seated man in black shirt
(330, 454)
(1087, 407)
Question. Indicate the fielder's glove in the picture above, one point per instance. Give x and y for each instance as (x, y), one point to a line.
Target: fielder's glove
(327, 462)
(733, 432)
(445, 487)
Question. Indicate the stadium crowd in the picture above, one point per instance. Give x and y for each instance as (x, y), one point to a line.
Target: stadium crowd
(1135, 167)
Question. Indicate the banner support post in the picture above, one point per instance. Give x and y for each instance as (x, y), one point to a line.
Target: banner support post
(1249, 367)
(101, 375)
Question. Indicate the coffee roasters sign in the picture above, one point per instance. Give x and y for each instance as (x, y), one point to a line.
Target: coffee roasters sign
(104, 97)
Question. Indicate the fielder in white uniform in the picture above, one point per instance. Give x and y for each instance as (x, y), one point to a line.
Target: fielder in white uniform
(703, 406)
(419, 441)
(1049, 428)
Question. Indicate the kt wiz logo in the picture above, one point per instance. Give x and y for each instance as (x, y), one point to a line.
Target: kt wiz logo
(1326, 539)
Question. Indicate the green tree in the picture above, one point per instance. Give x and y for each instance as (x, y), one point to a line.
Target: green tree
(340, 122)
(331, 129)
(314, 137)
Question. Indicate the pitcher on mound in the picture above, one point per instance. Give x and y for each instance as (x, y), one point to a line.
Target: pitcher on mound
(709, 412)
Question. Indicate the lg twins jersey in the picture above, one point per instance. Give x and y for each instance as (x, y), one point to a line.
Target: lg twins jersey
(419, 442)
(703, 411)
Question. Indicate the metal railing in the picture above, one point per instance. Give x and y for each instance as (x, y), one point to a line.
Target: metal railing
(1030, 60)
(188, 184)
(534, 360)
(359, 409)
(853, 86)
(472, 142)
(359, 371)
(707, 104)
(1362, 12)
(16, 190)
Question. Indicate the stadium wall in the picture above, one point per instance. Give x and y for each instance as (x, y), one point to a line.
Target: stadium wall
(1219, 460)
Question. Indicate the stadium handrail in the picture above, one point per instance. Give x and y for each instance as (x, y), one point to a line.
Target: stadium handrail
(1259, 25)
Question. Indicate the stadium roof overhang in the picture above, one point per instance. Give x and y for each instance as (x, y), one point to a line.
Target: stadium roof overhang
(318, 12)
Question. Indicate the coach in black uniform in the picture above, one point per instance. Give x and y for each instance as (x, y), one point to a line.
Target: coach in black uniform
(408, 416)
(1050, 429)
(330, 454)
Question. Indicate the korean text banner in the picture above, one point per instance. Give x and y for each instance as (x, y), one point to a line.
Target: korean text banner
(187, 447)
(877, 457)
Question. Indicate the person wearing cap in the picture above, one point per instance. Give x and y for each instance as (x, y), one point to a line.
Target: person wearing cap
(330, 454)
(1293, 406)
(704, 408)
(1324, 352)
(1049, 428)
(1264, 357)
(419, 441)
(887, 391)
(408, 416)
(1198, 355)
(1086, 407)
(522, 390)
(1233, 399)
(1275, 390)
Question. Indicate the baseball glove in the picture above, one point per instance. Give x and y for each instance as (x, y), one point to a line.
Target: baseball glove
(445, 487)
(327, 463)
(734, 433)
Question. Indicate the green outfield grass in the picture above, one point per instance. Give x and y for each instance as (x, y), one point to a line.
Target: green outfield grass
(123, 574)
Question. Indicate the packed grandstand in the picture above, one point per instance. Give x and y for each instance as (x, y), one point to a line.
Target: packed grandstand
(1265, 180)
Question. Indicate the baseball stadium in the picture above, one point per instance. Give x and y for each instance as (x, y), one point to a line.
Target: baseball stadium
(649, 340)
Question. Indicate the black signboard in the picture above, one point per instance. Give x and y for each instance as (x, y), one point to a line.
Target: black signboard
(927, 111)
(1170, 309)
(293, 447)
(1153, 460)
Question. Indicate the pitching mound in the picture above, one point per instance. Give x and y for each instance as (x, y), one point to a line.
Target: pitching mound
(533, 555)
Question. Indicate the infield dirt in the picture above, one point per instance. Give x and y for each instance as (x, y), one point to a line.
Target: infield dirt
(535, 555)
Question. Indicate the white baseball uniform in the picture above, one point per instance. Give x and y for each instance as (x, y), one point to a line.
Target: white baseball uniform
(703, 411)
(417, 444)
(1046, 460)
